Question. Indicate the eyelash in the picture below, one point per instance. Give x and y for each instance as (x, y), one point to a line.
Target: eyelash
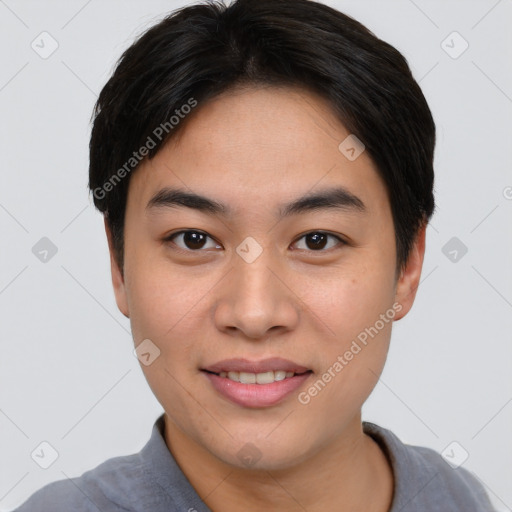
(170, 238)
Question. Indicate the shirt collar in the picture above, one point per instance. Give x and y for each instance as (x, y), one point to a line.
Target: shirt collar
(159, 461)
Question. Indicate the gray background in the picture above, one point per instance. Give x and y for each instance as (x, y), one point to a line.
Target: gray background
(67, 372)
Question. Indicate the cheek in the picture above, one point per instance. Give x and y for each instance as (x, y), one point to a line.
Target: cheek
(165, 306)
(163, 301)
(353, 299)
(360, 313)
(356, 354)
(358, 309)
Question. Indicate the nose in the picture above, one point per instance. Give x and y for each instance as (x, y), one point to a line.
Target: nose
(256, 300)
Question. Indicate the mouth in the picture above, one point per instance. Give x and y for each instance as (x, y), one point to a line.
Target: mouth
(258, 378)
(256, 383)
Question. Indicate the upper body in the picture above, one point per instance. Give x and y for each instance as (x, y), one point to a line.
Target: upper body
(265, 171)
(152, 481)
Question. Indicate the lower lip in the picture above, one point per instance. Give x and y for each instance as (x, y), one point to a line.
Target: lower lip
(256, 395)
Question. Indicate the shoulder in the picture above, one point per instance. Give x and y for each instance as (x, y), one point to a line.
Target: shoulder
(107, 487)
(148, 480)
(424, 481)
(454, 485)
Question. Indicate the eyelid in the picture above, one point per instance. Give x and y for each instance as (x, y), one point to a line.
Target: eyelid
(170, 237)
(341, 241)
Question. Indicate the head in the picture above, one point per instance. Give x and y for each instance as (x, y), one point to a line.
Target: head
(265, 170)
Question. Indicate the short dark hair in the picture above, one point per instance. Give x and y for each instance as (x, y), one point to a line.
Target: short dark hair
(202, 50)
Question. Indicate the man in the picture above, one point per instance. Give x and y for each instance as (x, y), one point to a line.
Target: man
(265, 174)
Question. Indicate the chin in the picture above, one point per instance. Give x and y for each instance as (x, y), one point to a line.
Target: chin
(262, 454)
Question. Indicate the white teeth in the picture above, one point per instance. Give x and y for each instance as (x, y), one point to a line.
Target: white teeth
(280, 375)
(234, 376)
(257, 378)
(265, 378)
(247, 378)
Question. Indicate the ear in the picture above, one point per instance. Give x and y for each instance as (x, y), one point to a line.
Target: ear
(117, 275)
(409, 278)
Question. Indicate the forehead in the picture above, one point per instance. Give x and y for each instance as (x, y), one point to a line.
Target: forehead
(256, 146)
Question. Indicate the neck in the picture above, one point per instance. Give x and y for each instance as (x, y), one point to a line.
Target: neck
(350, 474)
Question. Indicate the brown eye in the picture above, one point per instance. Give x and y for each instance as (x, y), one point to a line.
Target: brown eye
(318, 240)
(191, 240)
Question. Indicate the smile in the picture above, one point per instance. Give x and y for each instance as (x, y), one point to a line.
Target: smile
(256, 383)
(257, 378)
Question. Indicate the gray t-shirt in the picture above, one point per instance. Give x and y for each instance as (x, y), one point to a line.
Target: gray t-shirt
(151, 481)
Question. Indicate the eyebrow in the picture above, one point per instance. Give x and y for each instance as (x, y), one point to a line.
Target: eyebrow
(330, 198)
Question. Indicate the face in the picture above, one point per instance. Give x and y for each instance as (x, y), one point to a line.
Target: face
(283, 275)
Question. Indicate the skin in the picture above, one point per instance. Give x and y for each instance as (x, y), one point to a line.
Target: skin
(254, 149)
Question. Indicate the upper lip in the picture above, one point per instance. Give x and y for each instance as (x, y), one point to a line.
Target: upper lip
(265, 365)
